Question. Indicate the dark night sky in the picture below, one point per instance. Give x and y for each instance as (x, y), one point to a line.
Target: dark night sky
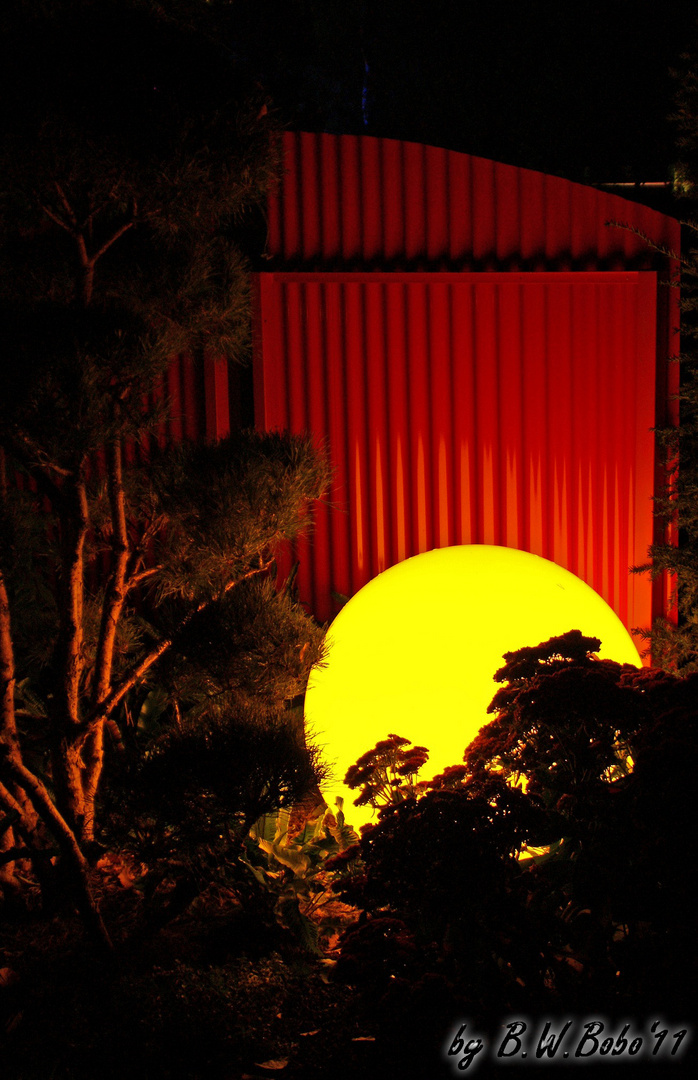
(579, 89)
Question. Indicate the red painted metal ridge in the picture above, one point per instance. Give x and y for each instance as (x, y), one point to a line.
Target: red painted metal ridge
(347, 202)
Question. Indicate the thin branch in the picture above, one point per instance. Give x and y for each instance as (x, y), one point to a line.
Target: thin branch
(58, 220)
(19, 805)
(116, 589)
(112, 700)
(660, 249)
(150, 531)
(66, 205)
(143, 575)
(74, 520)
(8, 721)
(112, 240)
(134, 574)
(8, 800)
(136, 674)
(87, 261)
(114, 600)
(34, 459)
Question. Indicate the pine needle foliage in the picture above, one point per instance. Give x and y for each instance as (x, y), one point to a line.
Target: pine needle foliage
(200, 788)
(252, 650)
(228, 504)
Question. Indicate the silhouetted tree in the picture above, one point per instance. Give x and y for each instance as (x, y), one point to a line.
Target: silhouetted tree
(550, 871)
(607, 748)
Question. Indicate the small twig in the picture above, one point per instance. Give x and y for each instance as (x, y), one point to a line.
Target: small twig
(57, 219)
(112, 240)
(143, 575)
(68, 208)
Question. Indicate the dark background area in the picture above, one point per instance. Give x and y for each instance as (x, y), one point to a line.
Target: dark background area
(582, 90)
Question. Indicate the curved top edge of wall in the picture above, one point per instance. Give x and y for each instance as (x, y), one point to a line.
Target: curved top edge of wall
(373, 202)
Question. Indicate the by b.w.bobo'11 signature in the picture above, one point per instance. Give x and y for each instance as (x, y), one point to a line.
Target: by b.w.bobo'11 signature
(570, 1041)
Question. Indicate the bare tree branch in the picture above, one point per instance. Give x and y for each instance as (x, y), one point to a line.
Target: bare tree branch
(35, 461)
(116, 590)
(143, 575)
(112, 240)
(66, 204)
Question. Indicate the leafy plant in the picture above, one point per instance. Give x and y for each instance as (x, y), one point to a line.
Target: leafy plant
(583, 762)
(387, 773)
(300, 872)
(599, 742)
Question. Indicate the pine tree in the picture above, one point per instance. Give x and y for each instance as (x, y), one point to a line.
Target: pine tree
(133, 152)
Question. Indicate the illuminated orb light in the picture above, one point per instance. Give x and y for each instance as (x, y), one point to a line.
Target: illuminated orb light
(415, 651)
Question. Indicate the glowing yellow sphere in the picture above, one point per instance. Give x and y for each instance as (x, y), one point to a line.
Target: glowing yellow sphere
(414, 652)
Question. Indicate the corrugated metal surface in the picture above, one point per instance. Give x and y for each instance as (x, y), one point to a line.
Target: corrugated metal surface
(375, 205)
(348, 202)
(195, 389)
(499, 408)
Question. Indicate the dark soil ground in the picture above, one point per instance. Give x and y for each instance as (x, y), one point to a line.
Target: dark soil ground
(217, 995)
(213, 996)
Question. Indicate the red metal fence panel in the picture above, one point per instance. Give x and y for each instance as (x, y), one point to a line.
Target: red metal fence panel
(504, 408)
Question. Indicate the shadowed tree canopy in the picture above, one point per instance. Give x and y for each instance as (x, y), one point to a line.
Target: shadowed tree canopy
(125, 123)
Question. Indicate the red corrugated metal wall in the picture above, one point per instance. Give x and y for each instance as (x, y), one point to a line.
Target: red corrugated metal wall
(197, 394)
(350, 202)
(506, 409)
(498, 407)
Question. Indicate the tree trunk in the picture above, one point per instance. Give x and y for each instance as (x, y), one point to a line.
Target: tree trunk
(67, 775)
(112, 608)
(69, 658)
(8, 723)
(13, 773)
(8, 882)
(12, 769)
(93, 758)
